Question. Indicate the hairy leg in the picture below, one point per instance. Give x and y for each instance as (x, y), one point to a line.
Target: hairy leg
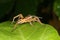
(14, 27)
(19, 16)
(38, 20)
(30, 23)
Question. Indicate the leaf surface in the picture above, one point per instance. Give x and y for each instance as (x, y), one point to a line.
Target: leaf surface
(27, 32)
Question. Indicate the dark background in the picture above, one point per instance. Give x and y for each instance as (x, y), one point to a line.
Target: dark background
(10, 8)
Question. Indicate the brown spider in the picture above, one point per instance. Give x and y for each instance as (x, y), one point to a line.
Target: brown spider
(26, 19)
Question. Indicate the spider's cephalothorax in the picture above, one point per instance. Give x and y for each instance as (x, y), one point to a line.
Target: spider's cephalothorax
(26, 19)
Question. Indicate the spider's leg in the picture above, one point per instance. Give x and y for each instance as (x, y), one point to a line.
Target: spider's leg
(20, 16)
(15, 18)
(14, 27)
(31, 23)
(38, 20)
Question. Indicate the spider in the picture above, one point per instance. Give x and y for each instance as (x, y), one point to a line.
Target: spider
(27, 19)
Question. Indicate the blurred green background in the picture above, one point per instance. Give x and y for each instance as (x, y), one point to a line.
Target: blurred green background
(57, 7)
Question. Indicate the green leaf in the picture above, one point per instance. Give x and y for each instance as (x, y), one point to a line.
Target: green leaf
(27, 32)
